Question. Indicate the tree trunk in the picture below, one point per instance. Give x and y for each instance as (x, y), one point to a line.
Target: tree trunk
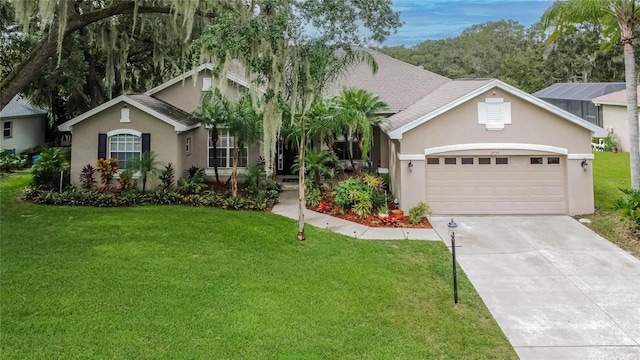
(214, 141)
(301, 172)
(234, 172)
(632, 103)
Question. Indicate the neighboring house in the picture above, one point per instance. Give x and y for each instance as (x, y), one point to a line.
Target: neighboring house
(463, 147)
(576, 98)
(614, 114)
(23, 126)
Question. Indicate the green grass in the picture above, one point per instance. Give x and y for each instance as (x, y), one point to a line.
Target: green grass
(200, 283)
(611, 173)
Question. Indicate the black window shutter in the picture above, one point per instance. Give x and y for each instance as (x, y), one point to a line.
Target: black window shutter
(102, 146)
(146, 142)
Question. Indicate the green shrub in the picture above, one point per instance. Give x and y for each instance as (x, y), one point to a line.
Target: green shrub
(235, 203)
(314, 196)
(629, 206)
(260, 200)
(10, 162)
(318, 164)
(52, 169)
(379, 199)
(125, 178)
(373, 182)
(361, 203)
(129, 198)
(254, 177)
(344, 193)
(417, 212)
(163, 197)
(195, 182)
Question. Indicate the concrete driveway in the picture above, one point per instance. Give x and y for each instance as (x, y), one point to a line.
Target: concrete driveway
(557, 289)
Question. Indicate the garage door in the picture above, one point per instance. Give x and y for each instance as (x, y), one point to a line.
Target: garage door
(496, 185)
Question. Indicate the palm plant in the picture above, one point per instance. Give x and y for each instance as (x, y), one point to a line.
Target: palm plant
(146, 165)
(323, 123)
(619, 20)
(358, 111)
(245, 125)
(317, 163)
(212, 111)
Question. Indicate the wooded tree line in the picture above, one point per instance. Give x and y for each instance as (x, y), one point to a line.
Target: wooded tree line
(522, 57)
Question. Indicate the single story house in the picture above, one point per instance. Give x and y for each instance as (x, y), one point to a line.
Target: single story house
(461, 146)
(576, 98)
(23, 125)
(614, 115)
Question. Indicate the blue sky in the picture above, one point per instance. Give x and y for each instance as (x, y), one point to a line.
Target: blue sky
(439, 19)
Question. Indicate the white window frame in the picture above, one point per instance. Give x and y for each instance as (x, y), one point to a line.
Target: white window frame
(130, 132)
(224, 134)
(5, 128)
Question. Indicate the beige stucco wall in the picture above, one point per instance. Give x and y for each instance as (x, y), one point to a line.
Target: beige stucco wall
(187, 94)
(197, 156)
(27, 132)
(84, 148)
(614, 119)
(530, 124)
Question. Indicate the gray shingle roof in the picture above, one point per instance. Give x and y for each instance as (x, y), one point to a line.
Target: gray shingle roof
(578, 91)
(164, 108)
(397, 83)
(19, 107)
(445, 94)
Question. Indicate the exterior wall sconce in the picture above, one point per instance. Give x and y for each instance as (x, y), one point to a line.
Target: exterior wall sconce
(410, 166)
(584, 164)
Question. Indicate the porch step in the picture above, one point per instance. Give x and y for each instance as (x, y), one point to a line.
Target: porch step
(289, 182)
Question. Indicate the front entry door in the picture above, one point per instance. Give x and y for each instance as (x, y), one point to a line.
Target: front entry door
(285, 155)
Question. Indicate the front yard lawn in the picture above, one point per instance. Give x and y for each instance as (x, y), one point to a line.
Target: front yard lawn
(182, 282)
(611, 173)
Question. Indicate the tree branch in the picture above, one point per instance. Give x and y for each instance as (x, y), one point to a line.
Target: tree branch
(23, 74)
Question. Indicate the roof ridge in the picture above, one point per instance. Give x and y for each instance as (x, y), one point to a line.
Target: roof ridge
(404, 62)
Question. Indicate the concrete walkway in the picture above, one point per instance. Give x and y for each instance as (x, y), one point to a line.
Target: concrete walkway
(557, 289)
(288, 207)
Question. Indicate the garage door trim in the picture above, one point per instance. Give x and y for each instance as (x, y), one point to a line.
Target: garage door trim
(496, 146)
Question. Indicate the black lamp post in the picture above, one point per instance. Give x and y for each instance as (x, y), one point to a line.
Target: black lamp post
(452, 232)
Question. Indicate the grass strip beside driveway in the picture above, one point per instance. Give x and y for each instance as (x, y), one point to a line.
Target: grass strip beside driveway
(182, 282)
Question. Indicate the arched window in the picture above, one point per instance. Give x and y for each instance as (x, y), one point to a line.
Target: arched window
(124, 146)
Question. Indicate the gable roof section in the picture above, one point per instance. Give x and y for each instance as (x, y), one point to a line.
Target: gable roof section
(180, 120)
(397, 83)
(615, 98)
(440, 97)
(207, 66)
(578, 91)
(19, 107)
(457, 92)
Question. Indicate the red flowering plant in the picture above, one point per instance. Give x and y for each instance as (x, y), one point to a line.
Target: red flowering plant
(323, 207)
(389, 220)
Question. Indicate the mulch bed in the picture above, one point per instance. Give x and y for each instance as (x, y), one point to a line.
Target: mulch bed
(374, 221)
